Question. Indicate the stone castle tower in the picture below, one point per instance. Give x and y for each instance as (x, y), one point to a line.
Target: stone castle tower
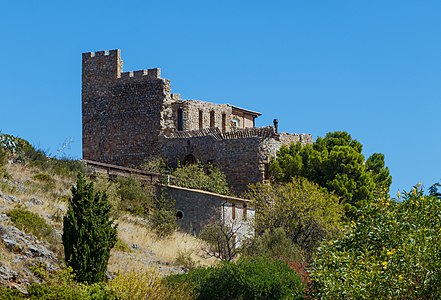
(129, 117)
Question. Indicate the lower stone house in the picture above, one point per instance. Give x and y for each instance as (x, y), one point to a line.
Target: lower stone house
(196, 209)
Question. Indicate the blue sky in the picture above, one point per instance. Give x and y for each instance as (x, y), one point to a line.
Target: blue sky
(372, 68)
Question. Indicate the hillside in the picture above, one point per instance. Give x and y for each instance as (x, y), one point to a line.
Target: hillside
(34, 191)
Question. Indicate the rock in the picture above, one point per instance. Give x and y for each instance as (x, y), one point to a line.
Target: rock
(36, 201)
(4, 217)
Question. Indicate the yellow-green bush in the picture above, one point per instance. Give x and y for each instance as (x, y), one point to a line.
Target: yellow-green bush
(31, 223)
(147, 285)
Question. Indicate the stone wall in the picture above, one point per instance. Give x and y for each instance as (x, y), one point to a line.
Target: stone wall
(243, 159)
(238, 159)
(193, 109)
(130, 116)
(198, 208)
(124, 114)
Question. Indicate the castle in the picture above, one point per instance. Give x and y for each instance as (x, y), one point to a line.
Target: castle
(129, 117)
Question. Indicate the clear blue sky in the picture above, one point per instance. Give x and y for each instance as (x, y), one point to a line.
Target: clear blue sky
(372, 68)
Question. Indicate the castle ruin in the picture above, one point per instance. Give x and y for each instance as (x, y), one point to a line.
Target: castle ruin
(129, 117)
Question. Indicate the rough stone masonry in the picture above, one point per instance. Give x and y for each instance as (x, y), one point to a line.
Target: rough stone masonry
(129, 117)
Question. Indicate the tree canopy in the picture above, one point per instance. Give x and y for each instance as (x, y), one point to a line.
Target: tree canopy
(335, 162)
(392, 251)
(306, 212)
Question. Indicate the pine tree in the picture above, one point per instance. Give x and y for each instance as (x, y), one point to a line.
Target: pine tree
(88, 232)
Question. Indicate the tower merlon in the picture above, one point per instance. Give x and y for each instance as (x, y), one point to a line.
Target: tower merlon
(115, 52)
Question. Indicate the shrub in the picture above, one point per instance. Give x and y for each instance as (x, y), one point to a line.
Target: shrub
(250, 278)
(10, 294)
(46, 180)
(273, 243)
(184, 259)
(307, 213)
(393, 251)
(194, 176)
(68, 167)
(163, 217)
(88, 232)
(32, 223)
(220, 239)
(134, 198)
(155, 164)
(148, 285)
(3, 157)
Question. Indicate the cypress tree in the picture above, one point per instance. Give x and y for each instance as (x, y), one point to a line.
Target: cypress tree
(88, 232)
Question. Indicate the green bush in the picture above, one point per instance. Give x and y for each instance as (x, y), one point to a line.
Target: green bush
(196, 177)
(249, 278)
(88, 232)
(67, 167)
(134, 198)
(46, 180)
(10, 294)
(273, 243)
(147, 285)
(393, 251)
(307, 212)
(163, 217)
(32, 223)
(3, 157)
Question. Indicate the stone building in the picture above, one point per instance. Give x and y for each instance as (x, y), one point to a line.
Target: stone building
(129, 117)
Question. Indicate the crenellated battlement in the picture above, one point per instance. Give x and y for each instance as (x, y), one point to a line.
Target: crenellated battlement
(115, 52)
(142, 74)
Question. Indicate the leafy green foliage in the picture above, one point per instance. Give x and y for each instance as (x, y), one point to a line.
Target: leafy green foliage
(88, 233)
(3, 157)
(336, 163)
(306, 212)
(163, 217)
(147, 285)
(434, 190)
(392, 251)
(134, 197)
(31, 223)
(194, 176)
(155, 164)
(273, 243)
(249, 278)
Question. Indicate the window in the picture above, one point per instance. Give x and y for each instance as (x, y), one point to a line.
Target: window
(245, 211)
(266, 171)
(179, 215)
(180, 119)
(201, 123)
(224, 122)
(233, 211)
(189, 160)
(212, 120)
(235, 123)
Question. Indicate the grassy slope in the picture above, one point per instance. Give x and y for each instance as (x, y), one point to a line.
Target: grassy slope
(139, 248)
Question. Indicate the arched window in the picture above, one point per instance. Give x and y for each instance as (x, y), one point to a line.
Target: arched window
(189, 159)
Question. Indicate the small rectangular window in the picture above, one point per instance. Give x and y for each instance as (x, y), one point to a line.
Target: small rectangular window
(224, 122)
(201, 123)
(212, 120)
(244, 211)
(233, 211)
(266, 171)
(180, 119)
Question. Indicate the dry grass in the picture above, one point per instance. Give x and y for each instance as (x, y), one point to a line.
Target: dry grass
(162, 251)
(151, 251)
